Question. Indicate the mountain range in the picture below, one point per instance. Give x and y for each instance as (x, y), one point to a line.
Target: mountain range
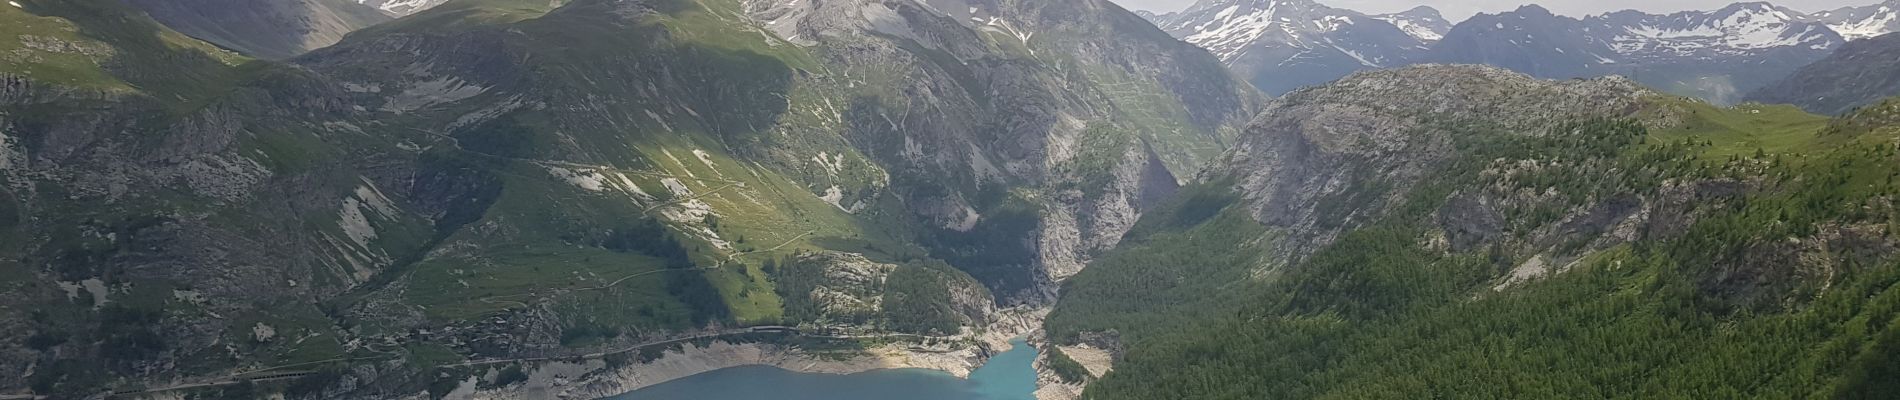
(1872, 65)
(1857, 23)
(501, 199)
(1282, 45)
(1719, 55)
(514, 179)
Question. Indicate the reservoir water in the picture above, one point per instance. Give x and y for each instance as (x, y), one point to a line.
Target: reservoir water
(1010, 375)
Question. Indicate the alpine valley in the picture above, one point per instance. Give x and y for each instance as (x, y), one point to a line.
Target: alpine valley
(579, 199)
(436, 203)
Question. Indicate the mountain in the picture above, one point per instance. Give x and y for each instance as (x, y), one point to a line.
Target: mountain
(1529, 40)
(1862, 72)
(1716, 55)
(1468, 232)
(1281, 45)
(1856, 23)
(1157, 19)
(274, 29)
(1422, 22)
(1737, 30)
(502, 183)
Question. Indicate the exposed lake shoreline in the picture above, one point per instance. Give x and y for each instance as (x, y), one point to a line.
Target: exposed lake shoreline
(593, 379)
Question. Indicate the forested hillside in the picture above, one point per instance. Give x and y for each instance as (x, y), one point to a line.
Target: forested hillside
(1663, 248)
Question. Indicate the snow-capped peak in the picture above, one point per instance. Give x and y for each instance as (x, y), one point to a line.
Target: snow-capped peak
(1424, 23)
(1284, 44)
(1229, 28)
(1855, 23)
(1738, 28)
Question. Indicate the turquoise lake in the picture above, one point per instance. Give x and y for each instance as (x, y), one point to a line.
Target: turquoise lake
(1007, 376)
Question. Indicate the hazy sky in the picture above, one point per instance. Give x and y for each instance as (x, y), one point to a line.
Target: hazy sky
(1457, 10)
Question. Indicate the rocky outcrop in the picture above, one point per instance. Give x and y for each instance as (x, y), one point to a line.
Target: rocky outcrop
(1320, 161)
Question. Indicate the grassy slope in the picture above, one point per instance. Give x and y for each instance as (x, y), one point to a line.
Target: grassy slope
(69, 68)
(1377, 315)
(98, 44)
(760, 211)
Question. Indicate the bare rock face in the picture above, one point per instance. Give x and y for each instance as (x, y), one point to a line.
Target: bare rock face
(1002, 125)
(1320, 145)
(851, 285)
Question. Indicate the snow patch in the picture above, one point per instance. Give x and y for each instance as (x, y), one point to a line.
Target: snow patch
(16, 4)
(677, 188)
(834, 165)
(835, 196)
(375, 199)
(1356, 56)
(263, 333)
(71, 289)
(1882, 22)
(591, 181)
(705, 158)
(98, 289)
(355, 222)
(1415, 30)
(354, 215)
(93, 286)
(1000, 25)
(1741, 29)
(631, 188)
(1229, 32)
(676, 161)
(656, 119)
(692, 212)
(1334, 22)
